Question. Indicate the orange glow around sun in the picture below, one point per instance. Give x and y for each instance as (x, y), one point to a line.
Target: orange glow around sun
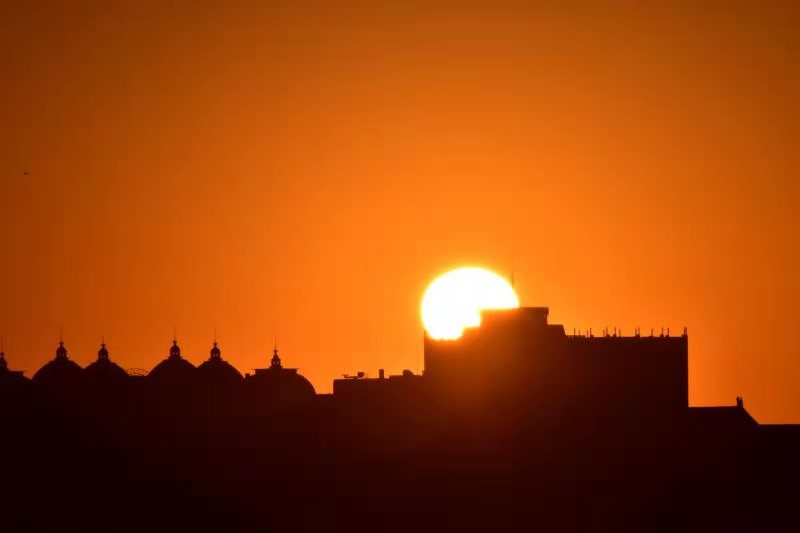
(454, 300)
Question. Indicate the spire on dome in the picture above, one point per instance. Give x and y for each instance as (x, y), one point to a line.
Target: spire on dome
(102, 354)
(175, 351)
(61, 352)
(215, 351)
(276, 360)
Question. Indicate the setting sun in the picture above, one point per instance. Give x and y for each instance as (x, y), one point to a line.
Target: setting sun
(455, 299)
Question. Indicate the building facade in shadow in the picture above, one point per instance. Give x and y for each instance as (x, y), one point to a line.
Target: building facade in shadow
(518, 363)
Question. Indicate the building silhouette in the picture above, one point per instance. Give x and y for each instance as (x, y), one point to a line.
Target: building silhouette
(174, 371)
(103, 372)
(218, 385)
(14, 386)
(10, 377)
(516, 360)
(515, 426)
(61, 375)
(215, 371)
(276, 386)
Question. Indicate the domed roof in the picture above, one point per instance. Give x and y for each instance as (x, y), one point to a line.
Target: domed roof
(174, 369)
(61, 371)
(103, 370)
(277, 384)
(216, 370)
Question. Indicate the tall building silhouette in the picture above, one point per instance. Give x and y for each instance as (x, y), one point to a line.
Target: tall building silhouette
(515, 358)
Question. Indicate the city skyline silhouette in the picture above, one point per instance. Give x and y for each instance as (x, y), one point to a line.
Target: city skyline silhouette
(215, 347)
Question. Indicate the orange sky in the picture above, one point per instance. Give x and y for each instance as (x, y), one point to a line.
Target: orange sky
(304, 170)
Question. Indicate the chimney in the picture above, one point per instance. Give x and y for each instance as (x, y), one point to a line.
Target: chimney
(380, 373)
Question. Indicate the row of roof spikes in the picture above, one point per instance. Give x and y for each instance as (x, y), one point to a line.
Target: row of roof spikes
(174, 352)
(618, 333)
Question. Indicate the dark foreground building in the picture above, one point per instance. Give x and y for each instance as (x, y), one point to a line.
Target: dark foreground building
(516, 426)
(516, 360)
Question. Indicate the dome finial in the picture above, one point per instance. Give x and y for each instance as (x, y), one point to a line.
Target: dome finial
(174, 350)
(215, 351)
(61, 352)
(276, 359)
(102, 353)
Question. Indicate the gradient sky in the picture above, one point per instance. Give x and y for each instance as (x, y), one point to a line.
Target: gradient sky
(303, 170)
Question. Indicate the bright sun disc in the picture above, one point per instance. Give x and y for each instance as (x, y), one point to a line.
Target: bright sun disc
(455, 299)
